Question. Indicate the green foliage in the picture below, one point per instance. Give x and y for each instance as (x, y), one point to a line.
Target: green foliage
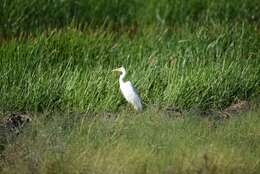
(208, 66)
(19, 16)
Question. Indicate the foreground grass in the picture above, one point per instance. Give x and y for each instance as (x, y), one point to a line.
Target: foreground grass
(150, 142)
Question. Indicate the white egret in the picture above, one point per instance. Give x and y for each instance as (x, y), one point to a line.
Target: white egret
(128, 90)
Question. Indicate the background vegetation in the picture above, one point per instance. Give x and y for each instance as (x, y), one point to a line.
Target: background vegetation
(56, 58)
(31, 15)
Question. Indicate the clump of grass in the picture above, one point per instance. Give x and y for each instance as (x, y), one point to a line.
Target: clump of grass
(128, 143)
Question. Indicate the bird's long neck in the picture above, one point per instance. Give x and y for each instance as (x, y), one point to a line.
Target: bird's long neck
(122, 76)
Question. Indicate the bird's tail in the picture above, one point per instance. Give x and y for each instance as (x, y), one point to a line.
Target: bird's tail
(138, 106)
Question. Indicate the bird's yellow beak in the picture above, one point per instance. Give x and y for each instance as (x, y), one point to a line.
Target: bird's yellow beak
(116, 70)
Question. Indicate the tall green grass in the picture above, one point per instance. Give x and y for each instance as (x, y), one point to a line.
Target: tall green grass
(148, 142)
(208, 66)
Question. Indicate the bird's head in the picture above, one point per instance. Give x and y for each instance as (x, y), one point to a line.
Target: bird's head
(121, 70)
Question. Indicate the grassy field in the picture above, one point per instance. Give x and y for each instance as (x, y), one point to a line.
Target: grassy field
(31, 15)
(199, 56)
(150, 142)
(208, 66)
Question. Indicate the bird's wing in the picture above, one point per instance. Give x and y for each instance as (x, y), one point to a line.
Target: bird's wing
(133, 88)
(131, 95)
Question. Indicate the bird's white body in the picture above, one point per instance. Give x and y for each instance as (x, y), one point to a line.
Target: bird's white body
(130, 95)
(128, 90)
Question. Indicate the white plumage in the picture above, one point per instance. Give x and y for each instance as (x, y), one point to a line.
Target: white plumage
(128, 90)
